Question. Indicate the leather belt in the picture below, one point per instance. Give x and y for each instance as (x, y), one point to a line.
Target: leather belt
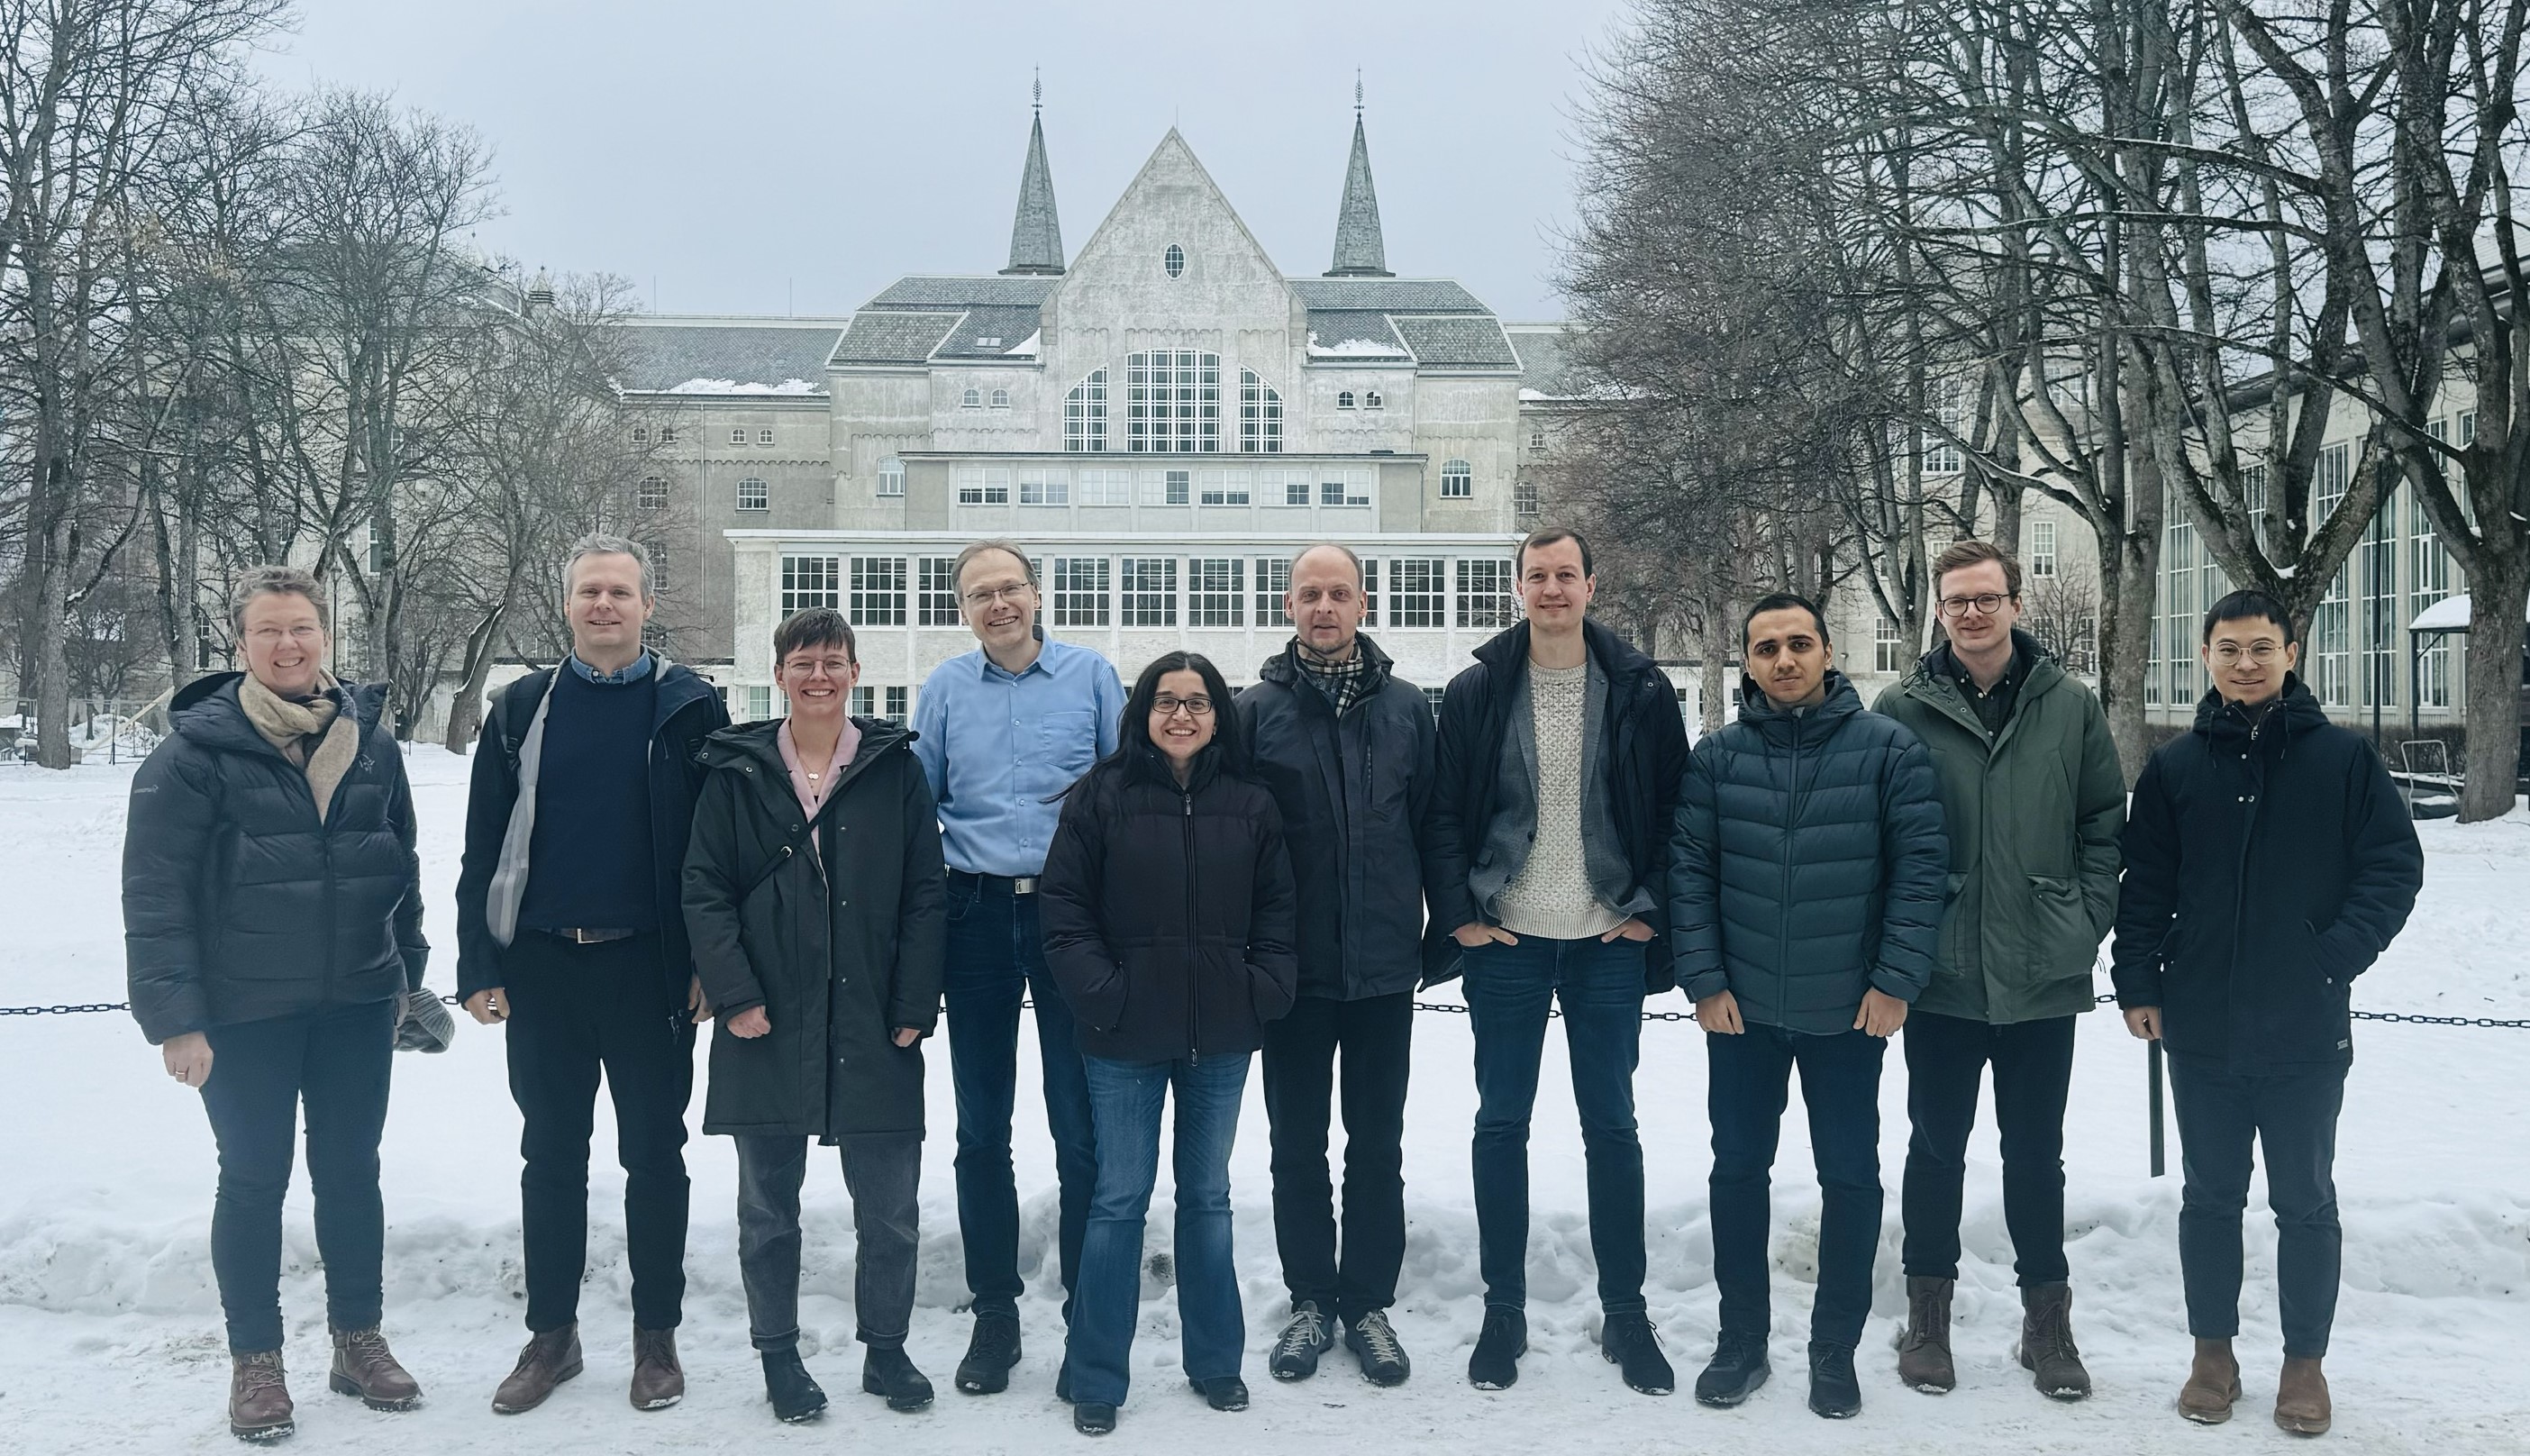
(1024, 885)
(592, 935)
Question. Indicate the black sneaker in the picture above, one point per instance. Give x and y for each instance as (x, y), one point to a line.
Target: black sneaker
(886, 1371)
(1498, 1346)
(1373, 1342)
(1304, 1339)
(1737, 1367)
(793, 1392)
(1223, 1392)
(995, 1348)
(1630, 1344)
(1093, 1417)
(1833, 1391)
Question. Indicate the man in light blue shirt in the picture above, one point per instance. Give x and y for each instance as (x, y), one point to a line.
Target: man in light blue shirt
(1001, 731)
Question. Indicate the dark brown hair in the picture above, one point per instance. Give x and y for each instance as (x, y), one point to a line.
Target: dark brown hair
(1962, 554)
(816, 627)
(1547, 535)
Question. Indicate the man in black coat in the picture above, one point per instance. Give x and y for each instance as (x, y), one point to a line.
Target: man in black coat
(2269, 861)
(1806, 902)
(571, 929)
(1345, 748)
(1559, 759)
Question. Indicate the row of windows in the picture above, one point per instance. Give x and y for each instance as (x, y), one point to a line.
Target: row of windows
(1172, 406)
(977, 399)
(1151, 590)
(890, 703)
(738, 434)
(754, 494)
(1060, 485)
(1370, 400)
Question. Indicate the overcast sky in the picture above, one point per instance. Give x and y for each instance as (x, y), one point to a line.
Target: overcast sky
(763, 156)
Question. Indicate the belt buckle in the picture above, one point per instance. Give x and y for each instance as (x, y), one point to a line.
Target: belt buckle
(1023, 885)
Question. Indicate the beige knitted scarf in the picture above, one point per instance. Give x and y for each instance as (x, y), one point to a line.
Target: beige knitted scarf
(317, 735)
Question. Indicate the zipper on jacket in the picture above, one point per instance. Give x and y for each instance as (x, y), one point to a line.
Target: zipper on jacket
(1194, 943)
(1791, 821)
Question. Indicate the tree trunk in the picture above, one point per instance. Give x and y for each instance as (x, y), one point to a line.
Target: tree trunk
(2129, 592)
(2498, 592)
(466, 709)
(52, 650)
(1713, 650)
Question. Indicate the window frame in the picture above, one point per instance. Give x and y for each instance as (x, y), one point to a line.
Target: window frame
(876, 598)
(1458, 479)
(755, 501)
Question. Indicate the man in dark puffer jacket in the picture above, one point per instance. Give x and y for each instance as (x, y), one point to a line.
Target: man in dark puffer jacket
(1806, 878)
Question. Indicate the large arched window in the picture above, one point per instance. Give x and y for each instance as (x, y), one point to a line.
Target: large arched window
(1172, 402)
(1458, 479)
(1260, 416)
(1084, 413)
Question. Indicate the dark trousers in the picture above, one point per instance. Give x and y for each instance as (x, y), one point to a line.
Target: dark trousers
(2033, 1071)
(1599, 986)
(997, 957)
(1750, 1084)
(576, 1010)
(336, 1064)
(1375, 1038)
(884, 1177)
(2221, 1113)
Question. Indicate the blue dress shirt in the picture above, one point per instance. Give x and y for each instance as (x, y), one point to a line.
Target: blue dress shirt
(997, 746)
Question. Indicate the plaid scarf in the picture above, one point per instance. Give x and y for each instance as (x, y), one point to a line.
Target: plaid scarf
(1342, 682)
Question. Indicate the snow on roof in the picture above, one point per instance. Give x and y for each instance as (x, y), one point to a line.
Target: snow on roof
(733, 386)
(1026, 347)
(2450, 614)
(1352, 349)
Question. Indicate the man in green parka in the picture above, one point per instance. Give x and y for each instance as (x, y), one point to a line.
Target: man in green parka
(816, 901)
(2035, 803)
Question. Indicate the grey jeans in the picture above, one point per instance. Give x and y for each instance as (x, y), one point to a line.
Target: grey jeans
(883, 1176)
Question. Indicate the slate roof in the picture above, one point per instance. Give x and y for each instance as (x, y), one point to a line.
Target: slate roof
(890, 337)
(663, 355)
(1458, 341)
(1545, 361)
(935, 292)
(1388, 294)
(1037, 232)
(1331, 327)
(1008, 324)
(1359, 250)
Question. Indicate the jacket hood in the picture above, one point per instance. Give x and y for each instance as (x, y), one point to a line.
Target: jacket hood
(1929, 677)
(1782, 724)
(2294, 711)
(207, 711)
(1284, 668)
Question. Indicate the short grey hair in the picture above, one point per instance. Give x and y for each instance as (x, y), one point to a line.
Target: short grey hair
(266, 580)
(958, 570)
(600, 543)
(1350, 554)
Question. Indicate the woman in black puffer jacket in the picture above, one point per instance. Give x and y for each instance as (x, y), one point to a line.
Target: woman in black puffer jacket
(1168, 910)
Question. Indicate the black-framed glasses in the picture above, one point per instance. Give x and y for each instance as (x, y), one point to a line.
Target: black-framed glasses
(1985, 602)
(1167, 707)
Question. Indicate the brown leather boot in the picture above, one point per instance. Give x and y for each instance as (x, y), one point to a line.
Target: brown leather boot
(2301, 1398)
(1924, 1354)
(548, 1360)
(2046, 1342)
(259, 1397)
(2212, 1384)
(658, 1382)
(364, 1367)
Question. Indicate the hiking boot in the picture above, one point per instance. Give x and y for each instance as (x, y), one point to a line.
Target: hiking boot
(1737, 1367)
(2046, 1342)
(1924, 1352)
(1304, 1339)
(364, 1367)
(658, 1382)
(1833, 1391)
(1093, 1417)
(1498, 1346)
(2212, 1384)
(259, 1407)
(2301, 1398)
(990, 1353)
(886, 1371)
(1222, 1392)
(794, 1394)
(1373, 1342)
(548, 1360)
(1629, 1343)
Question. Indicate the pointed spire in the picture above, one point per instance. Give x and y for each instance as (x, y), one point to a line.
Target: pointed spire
(1036, 234)
(1360, 252)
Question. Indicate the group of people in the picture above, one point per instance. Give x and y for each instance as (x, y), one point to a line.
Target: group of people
(1182, 881)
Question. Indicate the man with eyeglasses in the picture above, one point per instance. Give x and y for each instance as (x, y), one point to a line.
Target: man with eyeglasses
(1001, 731)
(2269, 861)
(2034, 801)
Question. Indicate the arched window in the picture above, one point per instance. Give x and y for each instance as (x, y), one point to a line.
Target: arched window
(1344, 399)
(737, 436)
(640, 434)
(891, 476)
(1172, 402)
(764, 436)
(1001, 399)
(972, 399)
(1372, 400)
(1173, 261)
(1260, 416)
(1084, 413)
(1458, 479)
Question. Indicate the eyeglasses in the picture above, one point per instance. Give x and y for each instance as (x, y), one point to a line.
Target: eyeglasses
(984, 596)
(2260, 653)
(271, 637)
(1987, 603)
(1165, 706)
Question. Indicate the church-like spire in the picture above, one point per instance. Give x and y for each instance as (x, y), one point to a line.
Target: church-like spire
(1036, 234)
(1359, 252)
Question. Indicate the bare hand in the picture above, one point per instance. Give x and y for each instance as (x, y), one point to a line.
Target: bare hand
(1719, 1013)
(906, 1036)
(2144, 1021)
(489, 1005)
(699, 1006)
(1881, 1014)
(749, 1024)
(1631, 929)
(187, 1058)
(1476, 932)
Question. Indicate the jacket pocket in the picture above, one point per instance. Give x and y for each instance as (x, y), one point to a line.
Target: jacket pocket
(2058, 923)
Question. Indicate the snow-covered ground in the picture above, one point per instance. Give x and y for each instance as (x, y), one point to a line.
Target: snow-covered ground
(110, 1330)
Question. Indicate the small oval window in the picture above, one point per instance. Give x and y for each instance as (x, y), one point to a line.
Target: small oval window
(1173, 261)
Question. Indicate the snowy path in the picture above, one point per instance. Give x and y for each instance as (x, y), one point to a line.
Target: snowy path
(109, 1328)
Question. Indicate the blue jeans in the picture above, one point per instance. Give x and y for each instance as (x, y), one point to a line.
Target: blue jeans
(1125, 1097)
(1750, 1081)
(996, 955)
(1599, 986)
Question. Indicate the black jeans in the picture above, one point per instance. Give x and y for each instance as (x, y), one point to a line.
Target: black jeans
(1750, 1082)
(996, 957)
(1375, 1037)
(2294, 1117)
(575, 1009)
(884, 1176)
(2033, 1070)
(337, 1063)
